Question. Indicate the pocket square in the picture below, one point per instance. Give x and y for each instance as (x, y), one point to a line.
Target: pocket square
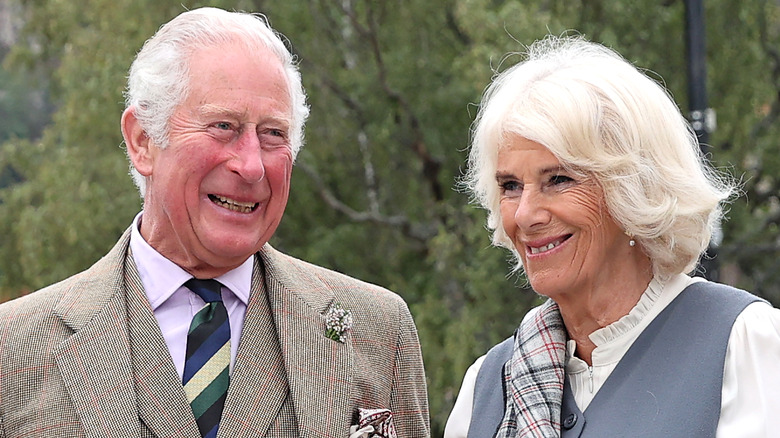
(373, 423)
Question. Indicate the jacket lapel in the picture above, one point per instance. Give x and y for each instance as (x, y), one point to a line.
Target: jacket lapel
(258, 384)
(117, 351)
(162, 403)
(95, 361)
(319, 370)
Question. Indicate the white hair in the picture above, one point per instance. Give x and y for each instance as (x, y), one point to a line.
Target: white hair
(159, 77)
(602, 117)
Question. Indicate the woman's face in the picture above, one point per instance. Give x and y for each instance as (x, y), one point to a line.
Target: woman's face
(558, 222)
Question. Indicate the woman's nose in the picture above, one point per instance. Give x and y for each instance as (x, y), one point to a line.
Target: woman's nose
(531, 210)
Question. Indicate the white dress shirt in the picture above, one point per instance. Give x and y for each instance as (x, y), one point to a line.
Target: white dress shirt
(174, 305)
(751, 376)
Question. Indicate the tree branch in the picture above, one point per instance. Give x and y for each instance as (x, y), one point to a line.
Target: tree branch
(341, 207)
(431, 166)
(419, 232)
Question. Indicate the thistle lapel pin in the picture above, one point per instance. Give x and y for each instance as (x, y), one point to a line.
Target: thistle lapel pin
(338, 321)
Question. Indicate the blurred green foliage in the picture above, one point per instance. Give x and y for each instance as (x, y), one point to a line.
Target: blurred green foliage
(393, 88)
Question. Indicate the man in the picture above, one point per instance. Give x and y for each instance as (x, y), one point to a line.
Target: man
(133, 348)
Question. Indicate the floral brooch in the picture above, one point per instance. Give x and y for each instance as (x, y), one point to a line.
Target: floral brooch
(338, 321)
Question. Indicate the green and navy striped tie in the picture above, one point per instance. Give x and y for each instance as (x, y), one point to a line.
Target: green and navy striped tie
(207, 363)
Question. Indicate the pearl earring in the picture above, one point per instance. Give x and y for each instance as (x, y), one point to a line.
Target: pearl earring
(631, 242)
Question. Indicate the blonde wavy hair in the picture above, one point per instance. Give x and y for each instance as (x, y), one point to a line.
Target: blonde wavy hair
(599, 114)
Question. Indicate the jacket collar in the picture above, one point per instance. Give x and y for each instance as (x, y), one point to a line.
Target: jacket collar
(319, 370)
(104, 307)
(93, 306)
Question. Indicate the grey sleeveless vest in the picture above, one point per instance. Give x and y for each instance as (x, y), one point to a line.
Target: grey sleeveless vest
(668, 384)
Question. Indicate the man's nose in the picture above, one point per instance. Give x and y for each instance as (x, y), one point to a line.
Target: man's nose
(247, 161)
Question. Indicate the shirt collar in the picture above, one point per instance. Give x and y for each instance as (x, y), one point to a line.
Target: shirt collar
(161, 277)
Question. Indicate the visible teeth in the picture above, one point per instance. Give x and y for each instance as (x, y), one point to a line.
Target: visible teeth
(233, 205)
(545, 248)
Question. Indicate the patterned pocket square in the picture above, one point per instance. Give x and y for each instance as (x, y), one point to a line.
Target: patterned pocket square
(373, 423)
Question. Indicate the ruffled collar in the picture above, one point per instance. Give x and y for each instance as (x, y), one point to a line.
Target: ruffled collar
(612, 340)
(606, 337)
(627, 323)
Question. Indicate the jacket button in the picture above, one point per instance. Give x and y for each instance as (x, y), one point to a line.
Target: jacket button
(570, 421)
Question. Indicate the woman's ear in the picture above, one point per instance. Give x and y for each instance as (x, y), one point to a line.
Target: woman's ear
(139, 145)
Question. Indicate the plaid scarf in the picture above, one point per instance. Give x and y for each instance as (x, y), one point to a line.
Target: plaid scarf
(533, 378)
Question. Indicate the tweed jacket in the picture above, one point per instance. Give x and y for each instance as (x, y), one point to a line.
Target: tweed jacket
(86, 358)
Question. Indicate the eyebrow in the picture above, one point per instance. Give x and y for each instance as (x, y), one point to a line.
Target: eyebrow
(216, 110)
(211, 110)
(500, 176)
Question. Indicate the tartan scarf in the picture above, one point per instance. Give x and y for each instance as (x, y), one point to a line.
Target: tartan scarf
(533, 378)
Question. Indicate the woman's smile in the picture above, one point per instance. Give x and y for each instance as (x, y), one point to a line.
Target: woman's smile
(538, 247)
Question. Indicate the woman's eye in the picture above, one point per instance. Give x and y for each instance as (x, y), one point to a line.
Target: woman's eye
(560, 179)
(510, 186)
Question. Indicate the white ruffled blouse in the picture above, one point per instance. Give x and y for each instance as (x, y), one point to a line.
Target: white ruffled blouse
(751, 376)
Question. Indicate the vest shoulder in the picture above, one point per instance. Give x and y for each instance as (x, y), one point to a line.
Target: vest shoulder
(724, 294)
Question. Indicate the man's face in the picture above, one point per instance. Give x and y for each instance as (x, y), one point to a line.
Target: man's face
(217, 193)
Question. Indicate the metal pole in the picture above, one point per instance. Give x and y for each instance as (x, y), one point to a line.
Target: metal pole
(701, 116)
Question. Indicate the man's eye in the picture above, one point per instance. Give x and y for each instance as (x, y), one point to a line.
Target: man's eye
(225, 126)
(273, 137)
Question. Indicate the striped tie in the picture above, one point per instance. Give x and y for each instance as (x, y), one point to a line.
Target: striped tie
(206, 367)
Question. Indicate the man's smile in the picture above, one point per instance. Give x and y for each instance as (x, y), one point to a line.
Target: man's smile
(233, 205)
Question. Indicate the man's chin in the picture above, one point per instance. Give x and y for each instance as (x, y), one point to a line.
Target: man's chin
(234, 254)
(226, 253)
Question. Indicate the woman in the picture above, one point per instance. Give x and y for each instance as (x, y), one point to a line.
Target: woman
(593, 179)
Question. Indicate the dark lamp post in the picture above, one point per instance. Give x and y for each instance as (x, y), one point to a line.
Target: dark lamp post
(702, 117)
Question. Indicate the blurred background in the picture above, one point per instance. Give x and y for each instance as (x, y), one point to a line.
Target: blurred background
(393, 87)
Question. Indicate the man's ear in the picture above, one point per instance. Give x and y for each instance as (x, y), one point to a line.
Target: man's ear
(139, 145)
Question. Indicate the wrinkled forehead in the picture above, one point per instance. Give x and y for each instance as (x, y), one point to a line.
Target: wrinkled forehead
(223, 63)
